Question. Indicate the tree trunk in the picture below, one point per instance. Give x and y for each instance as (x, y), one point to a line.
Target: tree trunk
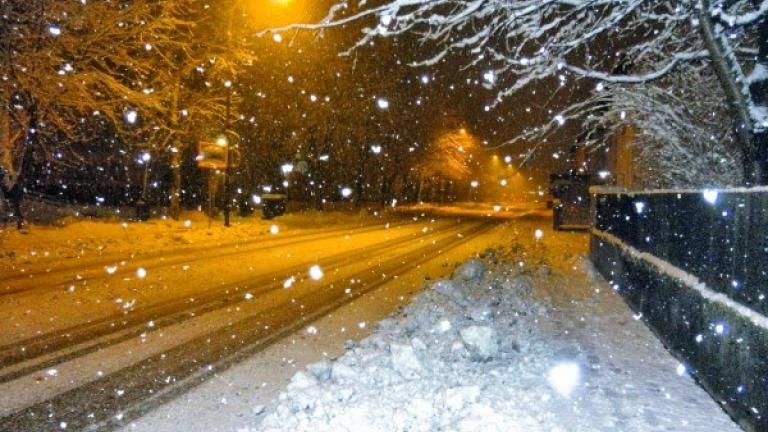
(419, 191)
(724, 64)
(174, 209)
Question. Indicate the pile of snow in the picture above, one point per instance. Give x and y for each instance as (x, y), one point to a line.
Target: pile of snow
(446, 362)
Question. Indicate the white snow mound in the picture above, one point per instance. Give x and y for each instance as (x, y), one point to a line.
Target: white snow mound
(441, 364)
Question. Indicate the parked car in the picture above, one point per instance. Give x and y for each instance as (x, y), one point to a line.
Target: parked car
(273, 204)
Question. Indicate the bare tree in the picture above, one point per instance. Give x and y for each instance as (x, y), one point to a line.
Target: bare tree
(69, 64)
(447, 160)
(682, 136)
(195, 82)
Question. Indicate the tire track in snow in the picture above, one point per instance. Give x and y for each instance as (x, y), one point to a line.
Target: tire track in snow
(42, 351)
(101, 405)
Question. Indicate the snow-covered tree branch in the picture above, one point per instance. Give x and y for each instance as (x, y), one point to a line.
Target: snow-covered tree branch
(518, 43)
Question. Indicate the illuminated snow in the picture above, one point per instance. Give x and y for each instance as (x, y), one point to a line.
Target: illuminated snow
(131, 116)
(315, 272)
(710, 196)
(720, 329)
(564, 378)
(681, 369)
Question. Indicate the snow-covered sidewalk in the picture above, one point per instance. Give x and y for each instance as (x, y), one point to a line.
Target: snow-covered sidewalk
(513, 347)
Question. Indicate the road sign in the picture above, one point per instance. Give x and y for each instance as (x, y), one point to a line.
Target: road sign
(212, 154)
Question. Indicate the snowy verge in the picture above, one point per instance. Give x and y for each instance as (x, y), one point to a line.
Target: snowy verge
(441, 364)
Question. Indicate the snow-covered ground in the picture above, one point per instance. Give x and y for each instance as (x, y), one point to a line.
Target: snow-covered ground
(80, 240)
(533, 342)
(511, 211)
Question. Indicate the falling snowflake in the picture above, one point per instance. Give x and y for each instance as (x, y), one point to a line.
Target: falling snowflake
(110, 269)
(564, 378)
(315, 272)
(131, 116)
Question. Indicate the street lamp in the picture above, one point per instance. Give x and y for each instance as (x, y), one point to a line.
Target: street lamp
(145, 158)
(229, 86)
(142, 209)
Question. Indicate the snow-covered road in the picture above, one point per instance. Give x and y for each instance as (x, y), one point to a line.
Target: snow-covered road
(539, 343)
(95, 346)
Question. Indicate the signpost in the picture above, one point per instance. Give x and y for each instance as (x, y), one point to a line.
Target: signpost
(213, 154)
(216, 154)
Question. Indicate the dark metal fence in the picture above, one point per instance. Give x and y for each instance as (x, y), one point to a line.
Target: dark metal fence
(719, 237)
(722, 239)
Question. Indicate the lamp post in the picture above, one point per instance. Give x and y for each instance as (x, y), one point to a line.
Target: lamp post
(229, 85)
(142, 208)
(228, 161)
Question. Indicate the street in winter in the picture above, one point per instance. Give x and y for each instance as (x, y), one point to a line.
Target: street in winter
(389, 215)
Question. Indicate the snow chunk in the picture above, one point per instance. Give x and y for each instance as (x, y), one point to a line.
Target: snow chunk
(482, 342)
(470, 270)
(321, 370)
(340, 372)
(301, 381)
(457, 398)
(405, 361)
